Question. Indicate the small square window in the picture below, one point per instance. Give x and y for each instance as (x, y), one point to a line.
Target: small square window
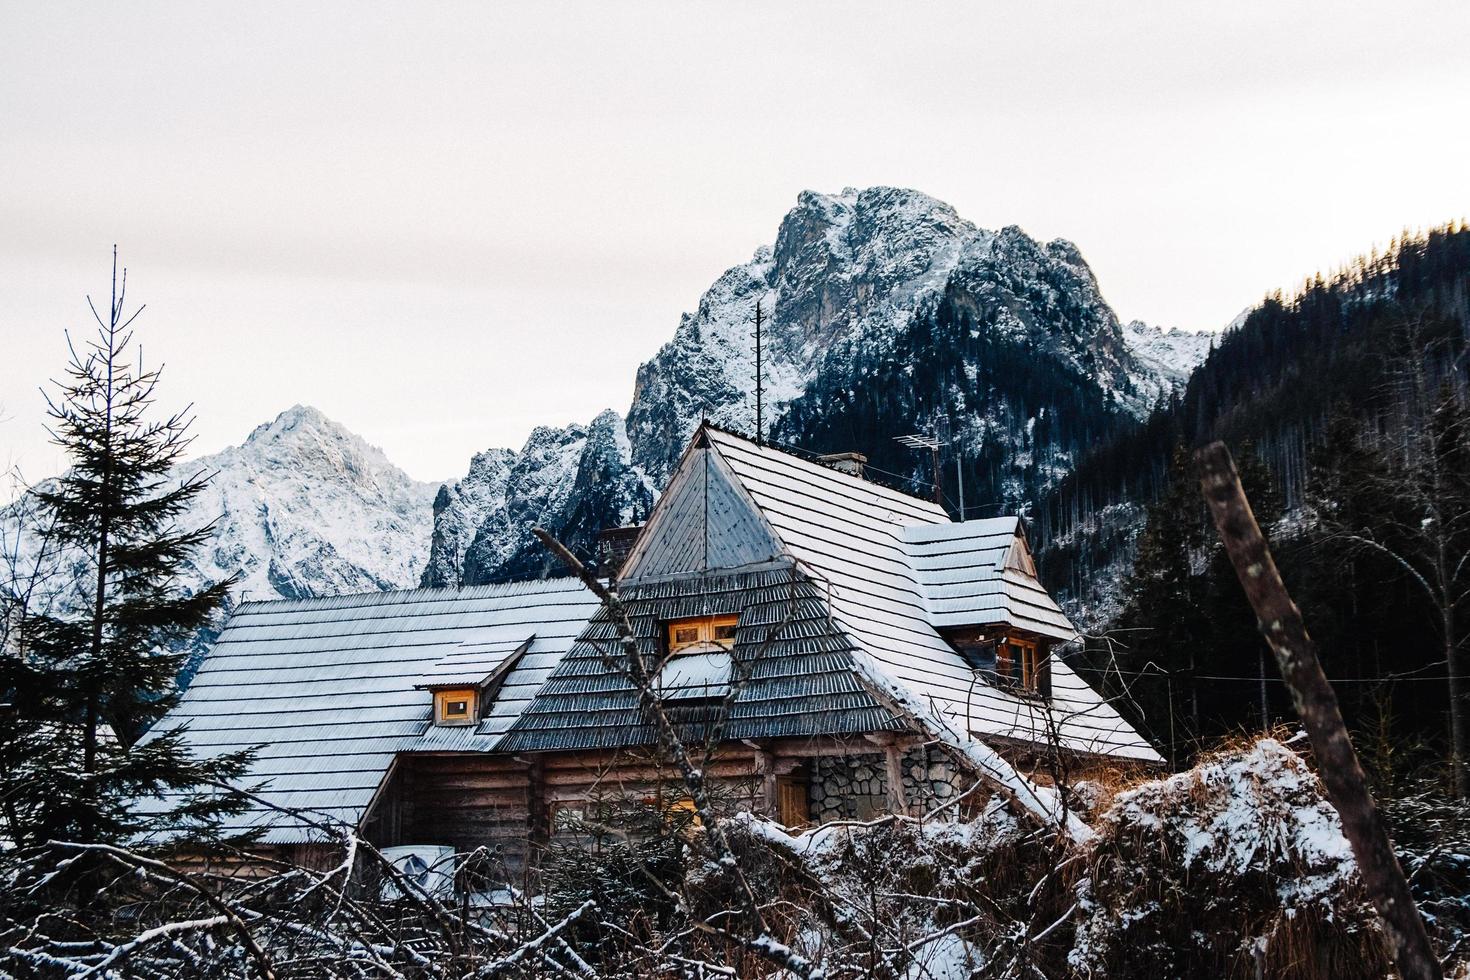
(702, 634)
(454, 707)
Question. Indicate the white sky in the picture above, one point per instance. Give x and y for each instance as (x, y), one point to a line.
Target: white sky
(445, 224)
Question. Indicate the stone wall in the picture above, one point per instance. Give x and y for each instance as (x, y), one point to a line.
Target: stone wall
(855, 787)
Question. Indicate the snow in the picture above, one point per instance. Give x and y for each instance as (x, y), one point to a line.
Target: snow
(302, 508)
(1245, 808)
(947, 957)
(1247, 832)
(1166, 357)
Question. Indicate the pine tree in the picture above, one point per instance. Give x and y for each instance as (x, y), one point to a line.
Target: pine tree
(1401, 510)
(88, 680)
(1164, 619)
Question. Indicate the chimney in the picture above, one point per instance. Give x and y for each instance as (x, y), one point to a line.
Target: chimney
(850, 463)
(613, 546)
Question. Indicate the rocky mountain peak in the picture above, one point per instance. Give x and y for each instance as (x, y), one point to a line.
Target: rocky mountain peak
(306, 507)
(574, 481)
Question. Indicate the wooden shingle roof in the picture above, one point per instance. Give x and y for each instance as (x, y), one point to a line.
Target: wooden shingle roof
(328, 688)
(875, 550)
(798, 680)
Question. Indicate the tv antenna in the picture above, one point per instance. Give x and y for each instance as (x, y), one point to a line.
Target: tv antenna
(932, 443)
(760, 319)
(921, 441)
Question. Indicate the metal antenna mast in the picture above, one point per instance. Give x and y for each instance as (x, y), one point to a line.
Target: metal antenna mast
(946, 438)
(760, 319)
(920, 441)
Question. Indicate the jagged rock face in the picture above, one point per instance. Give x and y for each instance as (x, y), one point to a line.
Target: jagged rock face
(460, 510)
(573, 481)
(883, 307)
(856, 276)
(1168, 357)
(306, 508)
(843, 265)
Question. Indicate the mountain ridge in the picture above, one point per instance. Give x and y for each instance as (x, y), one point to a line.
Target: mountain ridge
(850, 278)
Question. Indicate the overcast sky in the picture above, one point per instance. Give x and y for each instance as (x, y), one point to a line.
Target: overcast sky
(443, 224)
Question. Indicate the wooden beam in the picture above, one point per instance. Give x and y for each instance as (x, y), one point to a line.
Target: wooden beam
(893, 762)
(538, 823)
(765, 764)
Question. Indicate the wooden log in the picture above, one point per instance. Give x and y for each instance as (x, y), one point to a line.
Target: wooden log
(893, 763)
(766, 766)
(1316, 703)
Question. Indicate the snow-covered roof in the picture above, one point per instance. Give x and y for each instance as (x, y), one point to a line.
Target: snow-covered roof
(981, 572)
(474, 661)
(896, 571)
(329, 688)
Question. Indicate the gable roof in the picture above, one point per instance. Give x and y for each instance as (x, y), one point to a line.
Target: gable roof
(703, 520)
(329, 687)
(882, 556)
(800, 680)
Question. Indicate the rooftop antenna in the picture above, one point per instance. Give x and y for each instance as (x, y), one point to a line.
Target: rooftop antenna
(760, 319)
(942, 432)
(920, 441)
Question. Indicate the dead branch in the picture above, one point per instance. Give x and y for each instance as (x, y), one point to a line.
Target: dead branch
(1316, 703)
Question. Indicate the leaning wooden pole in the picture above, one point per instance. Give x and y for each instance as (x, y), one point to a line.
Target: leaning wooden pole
(1316, 703)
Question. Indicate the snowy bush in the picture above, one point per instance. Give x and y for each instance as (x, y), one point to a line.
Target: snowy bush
(1235, 867)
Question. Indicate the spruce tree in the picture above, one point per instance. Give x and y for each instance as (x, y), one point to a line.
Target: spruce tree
(1400, 510)
(90, 675)
(1163, 620)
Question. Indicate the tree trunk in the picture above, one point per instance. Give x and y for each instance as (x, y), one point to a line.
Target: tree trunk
(1316, 703)
(1458, 754)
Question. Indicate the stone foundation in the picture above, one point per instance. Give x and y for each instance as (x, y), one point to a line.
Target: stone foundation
(855, 787)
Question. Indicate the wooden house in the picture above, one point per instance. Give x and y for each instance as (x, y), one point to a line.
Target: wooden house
(848, 649)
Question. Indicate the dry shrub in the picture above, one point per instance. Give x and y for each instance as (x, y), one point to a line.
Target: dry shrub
(1235, 868)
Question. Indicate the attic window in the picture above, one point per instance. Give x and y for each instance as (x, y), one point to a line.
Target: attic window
(1007, 661)
(455, 706)
(702, 634)
(1020, 664)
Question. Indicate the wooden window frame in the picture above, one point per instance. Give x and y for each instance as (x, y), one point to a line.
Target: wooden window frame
(442, 700)
(1023, 664)
(706, 629)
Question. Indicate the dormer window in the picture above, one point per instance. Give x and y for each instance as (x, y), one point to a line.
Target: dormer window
(466, 681)
(700, 664)
(455, 706)
(1002, 658)
(701, 634)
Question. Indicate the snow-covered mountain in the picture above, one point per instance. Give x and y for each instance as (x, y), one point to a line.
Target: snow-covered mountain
(1168, 357)
(574, 481)
(306, 508)
(850, 276)
(884, 308)
(301, 508)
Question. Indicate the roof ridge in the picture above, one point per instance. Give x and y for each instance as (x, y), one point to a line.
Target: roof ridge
(388, 597)
(810, 458)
